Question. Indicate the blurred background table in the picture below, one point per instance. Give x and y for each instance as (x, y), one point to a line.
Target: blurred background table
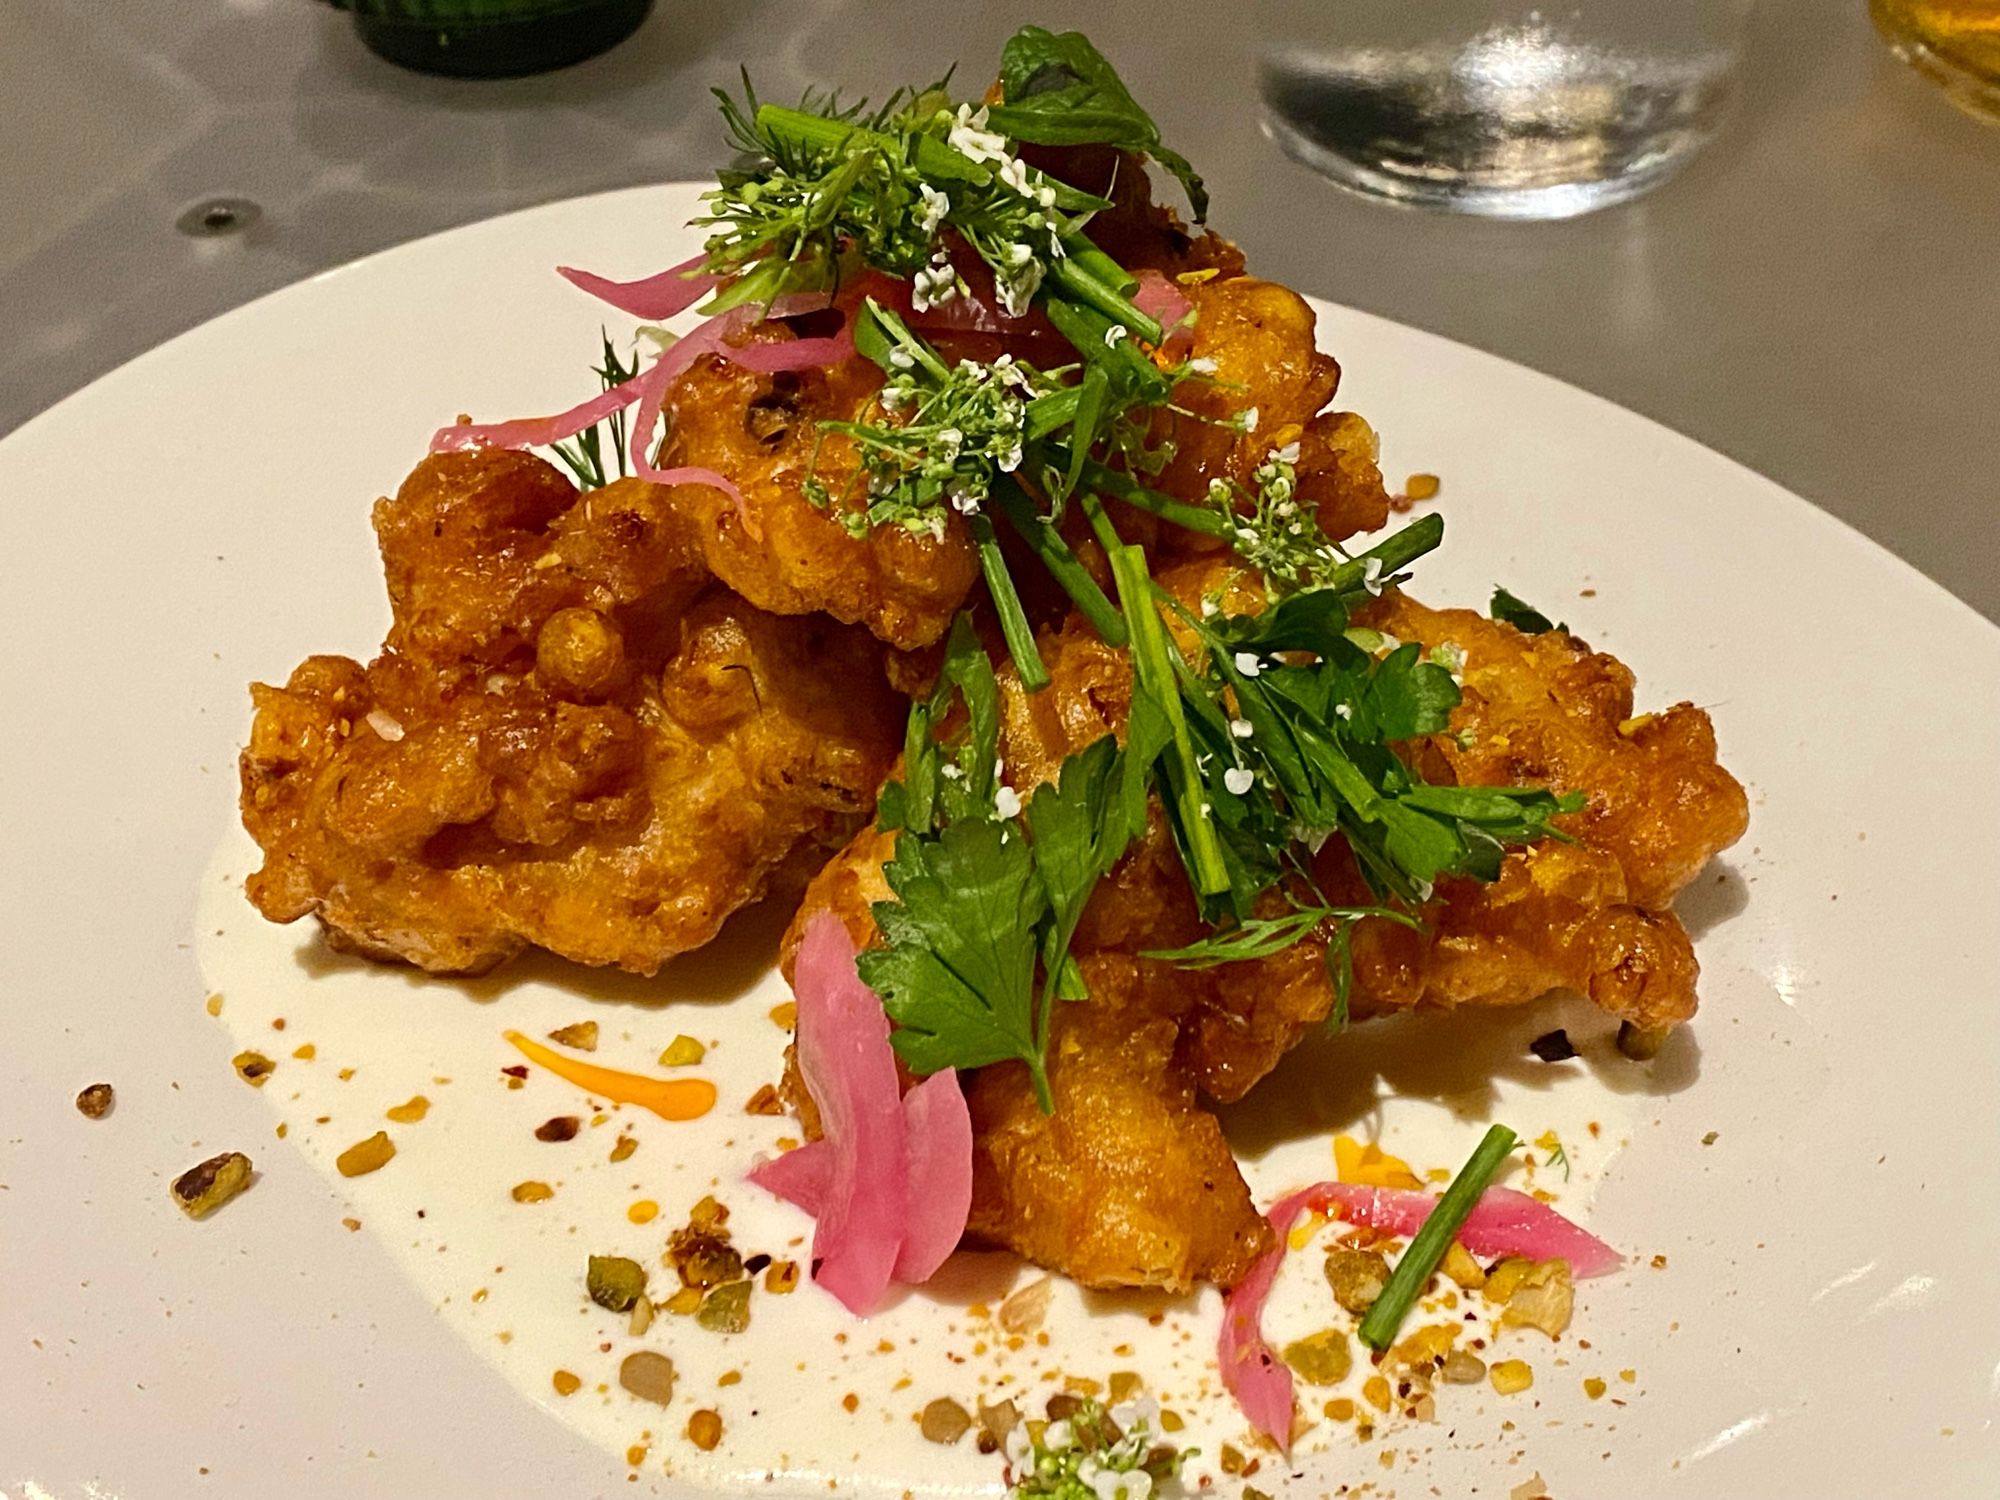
(1818, 295)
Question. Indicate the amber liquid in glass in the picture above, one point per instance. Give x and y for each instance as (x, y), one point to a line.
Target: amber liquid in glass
(1955, 42)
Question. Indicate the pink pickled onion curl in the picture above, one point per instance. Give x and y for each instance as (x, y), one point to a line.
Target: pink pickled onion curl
(672, 291)
(1503, 1222)
(889, 1184)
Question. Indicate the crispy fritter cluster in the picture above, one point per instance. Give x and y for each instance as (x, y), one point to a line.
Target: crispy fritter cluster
(1594, 915)
(574, 736)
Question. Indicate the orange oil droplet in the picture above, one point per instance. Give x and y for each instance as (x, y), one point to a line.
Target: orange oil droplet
(669, 1098)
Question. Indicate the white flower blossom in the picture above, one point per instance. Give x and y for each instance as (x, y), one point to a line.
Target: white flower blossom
(1248, 664)
(1135, 1484)
(1007, 803)
(1241, 728)
(970, 136)
(936, 206)
(1239, 779)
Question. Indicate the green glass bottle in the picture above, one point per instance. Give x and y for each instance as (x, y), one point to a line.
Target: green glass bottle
(492, 38)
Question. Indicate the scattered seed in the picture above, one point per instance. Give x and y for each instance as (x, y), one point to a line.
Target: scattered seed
(582, 1036)
(785, 1016)
(363, 1157)
(559, 1128)
(648, 1375)
(995, 1423)
(214, 1005)
(1422, 486)
(783, 1277)
(202, 1189)
(95, 1102)
(944, 1421)
(642, 1316)
(1711, 1138)
(1024, 1310)
(533, 1192)
(623, 1147)
(704, 1429)
(643, 1212)
(684, 1301)
(1125, 1384)
(1459, 1265)
(1375, 1391)
(408, 1114)
(565, 1383)
(765, 1102)
(1594, 1388)
(253, 1068)
(1463, 1368)
(305, 1052)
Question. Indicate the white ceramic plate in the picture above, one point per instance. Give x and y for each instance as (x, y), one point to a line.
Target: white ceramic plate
(1826, 1323)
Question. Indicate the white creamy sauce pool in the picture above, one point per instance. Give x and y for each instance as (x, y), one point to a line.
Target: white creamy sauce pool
(809, 1395)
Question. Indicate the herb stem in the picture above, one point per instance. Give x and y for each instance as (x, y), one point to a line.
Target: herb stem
(1014, 626)
(1155, 674)
(1406, 1282)
(1100, 523)
(1041, 538)
(799, 128)
(1194, 517)
(1393, 553)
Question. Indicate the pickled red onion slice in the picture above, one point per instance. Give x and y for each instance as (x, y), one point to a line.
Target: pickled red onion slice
(1503, 1222)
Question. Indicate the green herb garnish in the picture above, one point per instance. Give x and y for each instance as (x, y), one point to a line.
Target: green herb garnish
(1522, 615)
(1406, 1283)
(1084, 1456)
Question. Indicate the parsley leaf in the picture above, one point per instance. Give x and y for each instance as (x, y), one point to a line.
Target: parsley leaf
(958, 972)
(1522, 615)
(1061, 91)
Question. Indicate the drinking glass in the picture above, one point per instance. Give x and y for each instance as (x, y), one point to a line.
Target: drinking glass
(1955, 42)
(1499, 107)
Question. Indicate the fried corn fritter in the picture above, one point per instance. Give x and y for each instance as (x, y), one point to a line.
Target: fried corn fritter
(1594, 915)
(574, 736)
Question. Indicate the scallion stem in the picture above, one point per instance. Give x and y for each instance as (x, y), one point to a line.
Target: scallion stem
(1150, 664)
(1087, 274)
(1014, 626)
(1392, 554)
(1047, 544)
(1406, 1283)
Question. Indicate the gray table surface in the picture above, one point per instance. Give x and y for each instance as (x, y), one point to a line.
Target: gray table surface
(1818, 295)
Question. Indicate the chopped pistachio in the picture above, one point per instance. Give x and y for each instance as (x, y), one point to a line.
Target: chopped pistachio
(558, 1128)
(705, 1429)
(944, 1421)
(765, 1102)
(726, 1309)
(642, 1316)
(684, 1301)
(782, 1277)
(708, 1215)
(683, 1052)
(615, 1283)
(253, 1068)
(995, 1424)
(648, 1375)
(94, 1103)
(363, 1157)
(582, 1036)
(1356, 1276)
(1321, 1359)
(202, 1189)
(1125, 1384)
(703, 1259)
